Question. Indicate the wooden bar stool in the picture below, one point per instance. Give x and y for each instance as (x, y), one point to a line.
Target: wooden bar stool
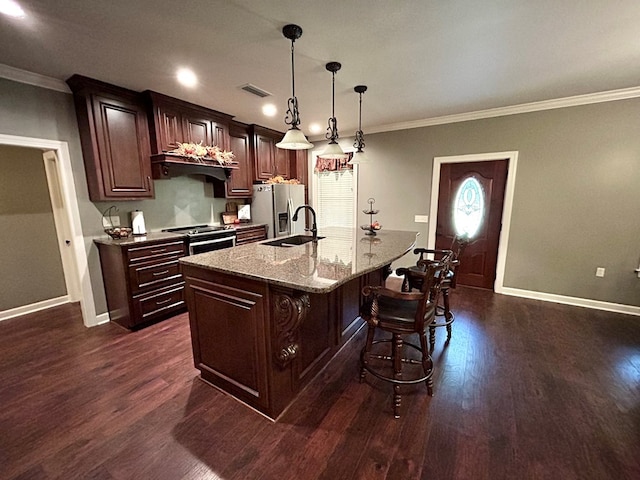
(451, 259)
(400, 313)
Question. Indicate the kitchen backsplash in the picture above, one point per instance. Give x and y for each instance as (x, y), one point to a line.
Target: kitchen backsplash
(179, 201)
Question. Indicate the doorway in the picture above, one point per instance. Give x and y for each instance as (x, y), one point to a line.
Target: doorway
(483, 184)
(67, 221)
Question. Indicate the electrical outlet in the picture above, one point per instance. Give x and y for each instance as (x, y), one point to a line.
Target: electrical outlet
(421, 218)
(600, 272)
(111, 221)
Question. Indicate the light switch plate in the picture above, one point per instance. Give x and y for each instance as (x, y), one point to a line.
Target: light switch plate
(600, 272)
(111, 221)
(421, 218)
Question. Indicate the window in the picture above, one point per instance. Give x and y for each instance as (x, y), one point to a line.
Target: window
(334, 193)
(468, 209)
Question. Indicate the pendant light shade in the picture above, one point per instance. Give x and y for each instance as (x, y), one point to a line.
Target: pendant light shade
(333, 149)
(359, 156)
(294, 139)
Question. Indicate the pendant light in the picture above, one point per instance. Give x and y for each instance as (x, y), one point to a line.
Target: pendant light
(333, 149)
(359, 156)
(294, 139)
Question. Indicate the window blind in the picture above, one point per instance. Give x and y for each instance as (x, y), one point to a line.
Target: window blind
(335, 198)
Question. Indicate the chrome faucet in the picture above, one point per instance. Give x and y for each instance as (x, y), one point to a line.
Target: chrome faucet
(314, 227)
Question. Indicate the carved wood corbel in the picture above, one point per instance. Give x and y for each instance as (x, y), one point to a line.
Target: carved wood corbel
(289, 312)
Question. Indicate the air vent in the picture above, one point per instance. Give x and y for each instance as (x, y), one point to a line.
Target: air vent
(255, 90)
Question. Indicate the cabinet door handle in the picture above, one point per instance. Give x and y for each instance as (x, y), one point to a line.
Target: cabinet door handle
(163, 301)
(157, 274)
(148, 183)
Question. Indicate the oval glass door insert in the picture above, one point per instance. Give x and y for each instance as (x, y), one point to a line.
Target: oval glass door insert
(468, 208)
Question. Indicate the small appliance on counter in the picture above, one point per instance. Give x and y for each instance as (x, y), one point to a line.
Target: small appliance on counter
(137, 223)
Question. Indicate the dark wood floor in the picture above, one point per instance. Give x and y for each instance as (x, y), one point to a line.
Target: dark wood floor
(526, 390)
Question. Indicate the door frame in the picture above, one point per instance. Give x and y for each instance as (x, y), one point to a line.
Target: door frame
(67, 221)
(503, 242)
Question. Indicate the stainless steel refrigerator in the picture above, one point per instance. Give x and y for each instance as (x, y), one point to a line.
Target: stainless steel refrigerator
(275, 204)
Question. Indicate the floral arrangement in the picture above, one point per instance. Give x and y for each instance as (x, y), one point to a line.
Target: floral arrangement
(280, 179)
(200, 152)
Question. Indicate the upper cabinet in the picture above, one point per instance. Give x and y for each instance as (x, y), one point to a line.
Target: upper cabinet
(174, 121)
(239, 184)
(114, 133)
(269, 160)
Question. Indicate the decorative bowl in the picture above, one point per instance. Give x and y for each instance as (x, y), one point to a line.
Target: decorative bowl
(118, 232)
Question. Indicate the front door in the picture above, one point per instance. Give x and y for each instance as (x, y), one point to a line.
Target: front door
(470, 201)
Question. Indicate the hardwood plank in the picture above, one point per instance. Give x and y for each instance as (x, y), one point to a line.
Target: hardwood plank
(525, 389)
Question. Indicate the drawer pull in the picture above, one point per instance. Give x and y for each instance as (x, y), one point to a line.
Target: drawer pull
(163, 301)
(159, 251)
(157, 274)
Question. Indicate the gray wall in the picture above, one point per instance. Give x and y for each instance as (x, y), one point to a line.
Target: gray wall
(29, 254)
(577, 193)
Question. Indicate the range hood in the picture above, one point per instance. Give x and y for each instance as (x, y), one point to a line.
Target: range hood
(166, 165)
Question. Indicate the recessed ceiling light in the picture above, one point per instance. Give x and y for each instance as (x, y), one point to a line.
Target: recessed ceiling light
(11, 8)
(315, 128)
(269, 109)
(186, 77)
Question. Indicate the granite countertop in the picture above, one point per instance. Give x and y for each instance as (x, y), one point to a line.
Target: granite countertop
(156, 236)
(133, 239)
(342, 255)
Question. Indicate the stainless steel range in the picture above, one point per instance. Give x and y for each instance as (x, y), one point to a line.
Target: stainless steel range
(205, 238)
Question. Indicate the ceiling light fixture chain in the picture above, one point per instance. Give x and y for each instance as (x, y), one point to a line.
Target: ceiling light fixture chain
(332, 129)
(294, 139)
(359, 143)
(292, 32)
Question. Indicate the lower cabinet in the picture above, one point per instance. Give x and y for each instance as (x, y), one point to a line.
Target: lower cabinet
(142, 280)
(253, 233)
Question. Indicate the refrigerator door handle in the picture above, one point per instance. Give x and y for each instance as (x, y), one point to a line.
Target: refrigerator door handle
(290, 202)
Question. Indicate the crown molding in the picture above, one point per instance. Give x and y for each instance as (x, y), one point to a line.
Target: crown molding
(577, 100)
(23, 76)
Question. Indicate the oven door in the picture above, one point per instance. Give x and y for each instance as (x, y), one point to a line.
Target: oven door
(210, 245)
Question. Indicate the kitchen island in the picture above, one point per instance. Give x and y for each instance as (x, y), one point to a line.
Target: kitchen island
(266, 319)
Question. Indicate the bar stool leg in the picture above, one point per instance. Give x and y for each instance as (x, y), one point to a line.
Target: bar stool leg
(447, 312)
(396, 354)
(432, 337)
(427, 363)
(364, 357)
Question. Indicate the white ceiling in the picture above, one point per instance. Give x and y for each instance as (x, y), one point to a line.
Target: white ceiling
(420, 58)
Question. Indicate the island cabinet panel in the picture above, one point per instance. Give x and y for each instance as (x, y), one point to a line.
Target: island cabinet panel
(142, 280)
(230, 351)
(114, 134)
(261, 342)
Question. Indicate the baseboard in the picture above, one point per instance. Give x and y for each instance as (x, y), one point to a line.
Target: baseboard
(102, 319)
(576, 301)
(33, 307)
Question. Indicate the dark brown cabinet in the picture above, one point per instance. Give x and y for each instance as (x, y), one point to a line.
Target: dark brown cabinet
(114, 133)
(268, 159)
(174, 121)
(252, 233)
(239, 184)
(142, 280)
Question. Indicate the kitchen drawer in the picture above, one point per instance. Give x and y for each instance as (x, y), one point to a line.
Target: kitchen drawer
(152, 275)
(156, 251)
(158, 303)
(252, 234)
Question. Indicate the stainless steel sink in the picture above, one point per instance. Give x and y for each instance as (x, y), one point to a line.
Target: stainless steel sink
(291, 241)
